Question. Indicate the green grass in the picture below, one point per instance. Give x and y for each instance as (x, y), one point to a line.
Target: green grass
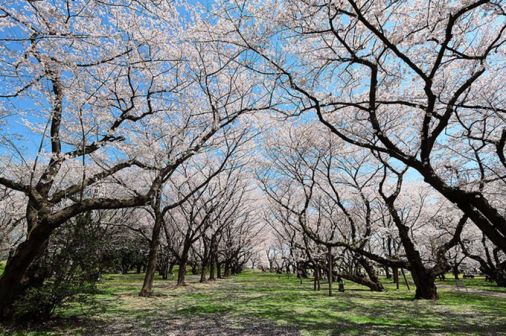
(477, 282)
(274, 304)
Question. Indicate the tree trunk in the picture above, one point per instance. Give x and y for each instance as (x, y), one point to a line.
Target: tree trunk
(425, 287)
(164, 271)
(212, 268)
(500, 276)
(376, 284)
(317, 277)
(195, 268)
(490, 221)
(164, 267)
(218, 269)
(203, 267)
(147, 286)
(387, 272)
(14, 280)
(455, 271)
(360, 280)
(424, 280)
(181, 274)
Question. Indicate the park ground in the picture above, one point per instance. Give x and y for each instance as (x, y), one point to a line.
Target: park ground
(256, 303)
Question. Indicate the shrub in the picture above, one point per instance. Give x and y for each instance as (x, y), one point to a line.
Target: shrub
(69, 271)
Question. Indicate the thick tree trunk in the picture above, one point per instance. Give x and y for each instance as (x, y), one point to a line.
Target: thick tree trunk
(361, 281)
(485, 216)
(14, 280)
(425, 287)
(424, 280)
(496, 274)
(147, 286)
(500, 279)
(375, 283)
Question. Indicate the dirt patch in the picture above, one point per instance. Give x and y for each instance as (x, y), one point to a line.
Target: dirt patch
(208, 325)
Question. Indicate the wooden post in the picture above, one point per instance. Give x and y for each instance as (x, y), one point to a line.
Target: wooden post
(405, 279)
(396, 276)
(330, 268)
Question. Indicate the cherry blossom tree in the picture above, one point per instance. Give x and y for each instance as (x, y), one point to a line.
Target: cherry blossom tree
(490, 260)
(12, 223)
(105, 94)
(339, 198)
(419, 82)
(195, 193)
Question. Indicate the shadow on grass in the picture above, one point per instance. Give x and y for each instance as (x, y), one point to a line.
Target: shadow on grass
(263, 304)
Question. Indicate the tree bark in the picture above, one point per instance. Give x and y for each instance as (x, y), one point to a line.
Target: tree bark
(423, 278)
(317, 277)
(203, 267)
(212, 268)
(361, 281)
(500, 279)
(425, 287)
(387, 272)
(147, 286)
(14, 281)
(194, 268)
(181, 274)
(375, 283)
(455, 271)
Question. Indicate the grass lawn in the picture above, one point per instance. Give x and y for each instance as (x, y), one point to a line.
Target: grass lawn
(256, 303)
